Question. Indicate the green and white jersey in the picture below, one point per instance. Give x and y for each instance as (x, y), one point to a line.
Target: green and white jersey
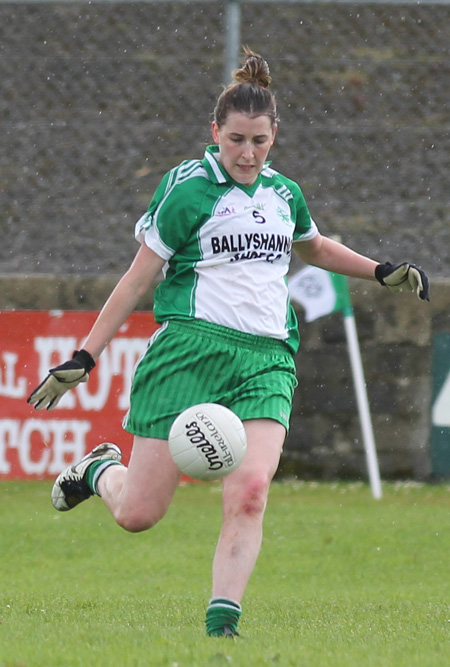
(227, 247)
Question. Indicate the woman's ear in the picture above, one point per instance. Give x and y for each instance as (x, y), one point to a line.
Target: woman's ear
(274, 133)
(215, 132)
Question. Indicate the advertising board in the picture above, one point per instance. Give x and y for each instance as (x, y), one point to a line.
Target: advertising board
(39, 444)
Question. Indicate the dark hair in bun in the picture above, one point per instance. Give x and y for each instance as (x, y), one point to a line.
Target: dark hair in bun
(249, 93)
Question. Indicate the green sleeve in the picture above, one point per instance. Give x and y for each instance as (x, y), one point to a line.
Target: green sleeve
(300, 212)
(173, 213)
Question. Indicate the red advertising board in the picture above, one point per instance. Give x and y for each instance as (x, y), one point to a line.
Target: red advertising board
(39, 444)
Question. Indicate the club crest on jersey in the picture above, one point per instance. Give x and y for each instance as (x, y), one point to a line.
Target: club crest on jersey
(285, 217)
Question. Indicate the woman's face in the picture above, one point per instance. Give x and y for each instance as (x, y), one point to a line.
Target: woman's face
(244, 142)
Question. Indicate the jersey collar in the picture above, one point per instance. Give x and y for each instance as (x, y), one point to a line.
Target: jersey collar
(218, 174)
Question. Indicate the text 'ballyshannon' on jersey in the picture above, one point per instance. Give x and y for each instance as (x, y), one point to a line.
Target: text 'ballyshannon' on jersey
(228, 246)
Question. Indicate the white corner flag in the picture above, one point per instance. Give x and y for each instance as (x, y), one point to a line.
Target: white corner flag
(321, 292)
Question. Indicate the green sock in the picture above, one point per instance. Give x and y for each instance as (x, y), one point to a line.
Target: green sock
(95, 470)
(222, 612)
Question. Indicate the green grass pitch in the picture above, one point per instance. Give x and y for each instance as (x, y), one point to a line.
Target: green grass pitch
(342, 581)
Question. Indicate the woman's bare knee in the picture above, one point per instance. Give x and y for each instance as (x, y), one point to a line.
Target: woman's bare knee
(135, 520)
(142, 497)
(248, 500)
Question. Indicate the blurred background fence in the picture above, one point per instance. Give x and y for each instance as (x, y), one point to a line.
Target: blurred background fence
(99, 99)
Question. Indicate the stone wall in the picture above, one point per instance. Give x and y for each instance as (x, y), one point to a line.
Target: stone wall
(395, 334)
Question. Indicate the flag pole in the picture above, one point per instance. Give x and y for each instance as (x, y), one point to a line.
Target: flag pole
(363, 405)
(321, 292)
(341, 286)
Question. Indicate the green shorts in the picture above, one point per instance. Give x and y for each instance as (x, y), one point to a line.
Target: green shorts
(193, 361)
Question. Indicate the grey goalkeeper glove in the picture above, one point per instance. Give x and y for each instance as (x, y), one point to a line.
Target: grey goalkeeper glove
(61, 379)
(404, 277)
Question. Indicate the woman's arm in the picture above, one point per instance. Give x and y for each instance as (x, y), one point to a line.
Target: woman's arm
(333, 256)
(123, 300)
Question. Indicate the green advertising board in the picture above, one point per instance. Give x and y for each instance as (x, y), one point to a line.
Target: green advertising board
(440, 407)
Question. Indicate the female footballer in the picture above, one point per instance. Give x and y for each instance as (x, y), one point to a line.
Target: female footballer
(222, 229)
